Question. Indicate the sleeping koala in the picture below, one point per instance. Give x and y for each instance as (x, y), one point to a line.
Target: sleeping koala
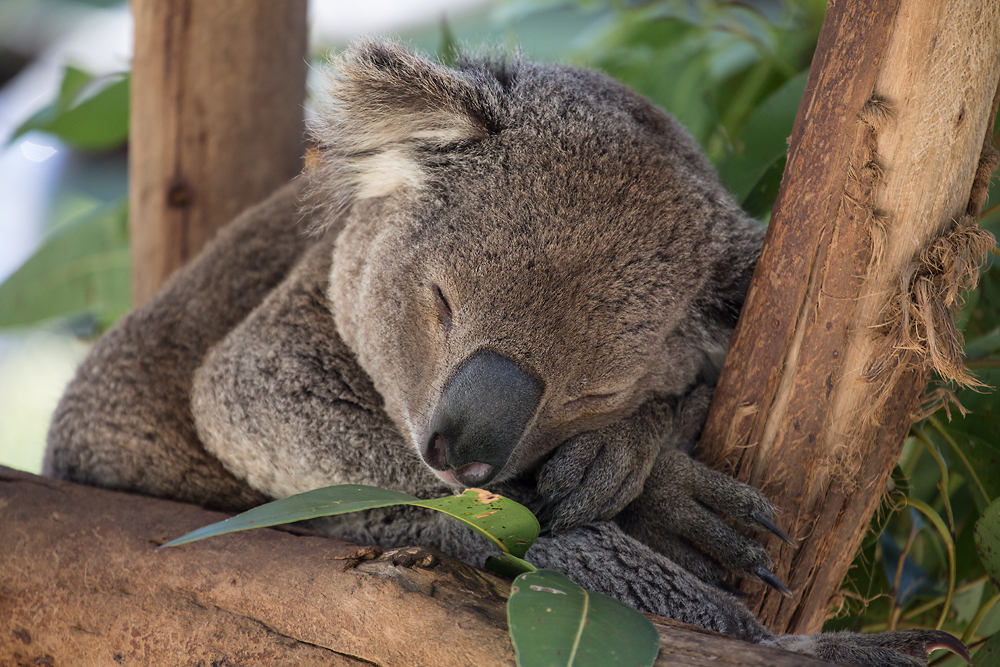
(508, 275)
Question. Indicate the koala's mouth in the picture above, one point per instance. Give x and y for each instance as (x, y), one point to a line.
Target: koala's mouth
(470, 474)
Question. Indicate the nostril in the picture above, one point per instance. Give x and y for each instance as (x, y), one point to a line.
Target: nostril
(437, 453)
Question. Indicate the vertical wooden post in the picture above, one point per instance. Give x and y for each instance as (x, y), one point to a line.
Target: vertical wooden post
(216, 121)
(813, 405)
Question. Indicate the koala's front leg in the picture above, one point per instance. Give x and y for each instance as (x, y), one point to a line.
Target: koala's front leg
(594, 475)
(637, 472)
(680, 514)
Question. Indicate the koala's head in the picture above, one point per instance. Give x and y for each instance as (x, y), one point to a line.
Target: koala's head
(528, 252)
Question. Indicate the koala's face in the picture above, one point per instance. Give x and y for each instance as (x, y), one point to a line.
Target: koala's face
(522, 253)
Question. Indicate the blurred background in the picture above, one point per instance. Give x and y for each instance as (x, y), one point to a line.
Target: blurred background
(733, 74)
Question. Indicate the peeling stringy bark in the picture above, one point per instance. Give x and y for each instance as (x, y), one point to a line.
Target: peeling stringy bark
(917, 328)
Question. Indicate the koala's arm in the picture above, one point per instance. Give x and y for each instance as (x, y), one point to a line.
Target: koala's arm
(125, 421)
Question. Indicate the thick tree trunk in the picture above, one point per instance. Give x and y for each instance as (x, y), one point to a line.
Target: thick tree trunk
(870, 243)
(216, 121)
(82, 583)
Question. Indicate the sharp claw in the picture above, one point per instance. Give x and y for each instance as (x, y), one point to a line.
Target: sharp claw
(544, 530)
(767, 523)
(949, 643)
(773, 582)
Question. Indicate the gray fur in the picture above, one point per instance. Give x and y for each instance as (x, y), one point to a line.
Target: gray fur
(569, 225)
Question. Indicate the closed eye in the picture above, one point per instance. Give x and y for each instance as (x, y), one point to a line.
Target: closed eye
(443, 308)
(590, 402)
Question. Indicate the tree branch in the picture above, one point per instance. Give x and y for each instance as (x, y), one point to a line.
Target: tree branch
(83, 583)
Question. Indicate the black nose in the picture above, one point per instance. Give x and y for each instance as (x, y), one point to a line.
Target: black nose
(480, 417)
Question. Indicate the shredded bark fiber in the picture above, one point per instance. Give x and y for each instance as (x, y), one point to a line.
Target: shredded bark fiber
(918, 328)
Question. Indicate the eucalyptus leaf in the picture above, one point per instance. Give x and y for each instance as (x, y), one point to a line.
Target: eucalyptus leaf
(505, 523)
(760, 200)
(977, 432)
(912, 580)
(448, 51)
(510, 526)
(991, 212)
(83, 268)
(508, 566)
(555, 623)
(74, 79)
(983, 346)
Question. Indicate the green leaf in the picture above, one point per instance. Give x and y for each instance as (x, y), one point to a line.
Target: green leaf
(327, 501)
(505, 523)
(90, 114)
(988, 540)
(74, 79)
(764, 138)
(553, 622)
(510, 526)
(988, 654)
(83, 267)
(983, 346)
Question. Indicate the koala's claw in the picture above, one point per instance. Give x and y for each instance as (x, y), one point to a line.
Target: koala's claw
(939, 639)
(684, 499)
(777, 584)
(767, 523)
(896, 648)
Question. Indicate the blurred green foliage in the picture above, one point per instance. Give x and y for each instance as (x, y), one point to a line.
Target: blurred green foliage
(733, 73)
(89, 114)
(82, 270)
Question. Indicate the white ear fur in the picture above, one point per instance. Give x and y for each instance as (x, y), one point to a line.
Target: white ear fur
(384, 104)
(385, 172)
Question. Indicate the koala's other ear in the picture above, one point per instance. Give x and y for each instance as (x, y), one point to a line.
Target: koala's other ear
(384, 105)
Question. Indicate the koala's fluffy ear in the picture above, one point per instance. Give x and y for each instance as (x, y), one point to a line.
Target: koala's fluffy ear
(385, 105)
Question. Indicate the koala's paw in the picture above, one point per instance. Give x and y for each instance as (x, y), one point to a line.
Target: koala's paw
(680, 514)
(903, 648)
(593, 476)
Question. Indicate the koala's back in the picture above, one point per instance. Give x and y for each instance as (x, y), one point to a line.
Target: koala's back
(125, 420)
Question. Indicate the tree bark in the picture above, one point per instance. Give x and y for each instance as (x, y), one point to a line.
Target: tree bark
(870, 242)
(216, 121)
(83, 584)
